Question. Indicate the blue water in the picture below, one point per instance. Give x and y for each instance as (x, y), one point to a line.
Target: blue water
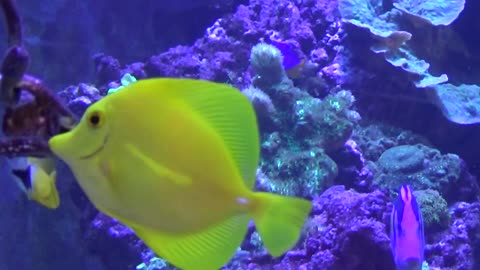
(337, 121)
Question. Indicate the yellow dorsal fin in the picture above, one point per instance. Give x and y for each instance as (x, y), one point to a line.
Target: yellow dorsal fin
(206, 250)
(227, 110)
(157, 168)
(46, 164)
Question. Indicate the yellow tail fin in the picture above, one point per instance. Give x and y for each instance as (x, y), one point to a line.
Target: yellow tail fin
(279, 220)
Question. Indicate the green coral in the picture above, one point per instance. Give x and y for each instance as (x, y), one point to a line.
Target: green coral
(434, 209)
(125, 80)
(267, 62)
(299, 173)
(419, 166)
(404, 159)
(154, 264)
(335, 120)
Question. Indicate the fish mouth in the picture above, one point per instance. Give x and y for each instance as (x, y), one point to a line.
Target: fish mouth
(96, 151)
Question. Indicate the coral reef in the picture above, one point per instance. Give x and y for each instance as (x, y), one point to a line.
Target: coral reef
(396, 38)
(311, 139)
(108, 237)
(456, 248)
(305, 173)
(435, 212)
(425, 168)
(345, 228)
(435, 13)
(312, 136)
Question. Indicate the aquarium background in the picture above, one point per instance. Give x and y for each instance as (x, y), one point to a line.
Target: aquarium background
(356, 98)
(70, 33)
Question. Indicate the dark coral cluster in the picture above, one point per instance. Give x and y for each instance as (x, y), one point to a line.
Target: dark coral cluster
(345, 228)
(425, 168)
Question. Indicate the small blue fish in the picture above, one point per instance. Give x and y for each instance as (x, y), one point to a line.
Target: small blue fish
(293, 59)
(406, 231)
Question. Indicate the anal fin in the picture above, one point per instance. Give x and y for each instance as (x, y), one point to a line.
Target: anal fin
(206, 250)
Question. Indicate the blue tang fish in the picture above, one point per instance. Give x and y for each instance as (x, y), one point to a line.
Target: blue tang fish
(406, 231)
(293, 59)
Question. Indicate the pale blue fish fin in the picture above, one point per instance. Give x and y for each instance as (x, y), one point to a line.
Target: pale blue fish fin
(19, 163)
(393, 228)
(205, 250)
(231, 115)
(20, 184)
(162, 171)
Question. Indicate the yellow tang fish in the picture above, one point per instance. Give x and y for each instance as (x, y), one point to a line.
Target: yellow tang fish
(38, 181)
(175, 160)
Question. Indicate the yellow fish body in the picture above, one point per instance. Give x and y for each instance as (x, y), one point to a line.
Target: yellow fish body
(175, 160)
(40, 176)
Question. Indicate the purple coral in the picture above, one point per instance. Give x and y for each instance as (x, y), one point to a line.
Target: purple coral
(345, 228)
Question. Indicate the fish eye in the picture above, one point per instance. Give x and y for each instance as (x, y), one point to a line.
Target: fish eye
(95, 119)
